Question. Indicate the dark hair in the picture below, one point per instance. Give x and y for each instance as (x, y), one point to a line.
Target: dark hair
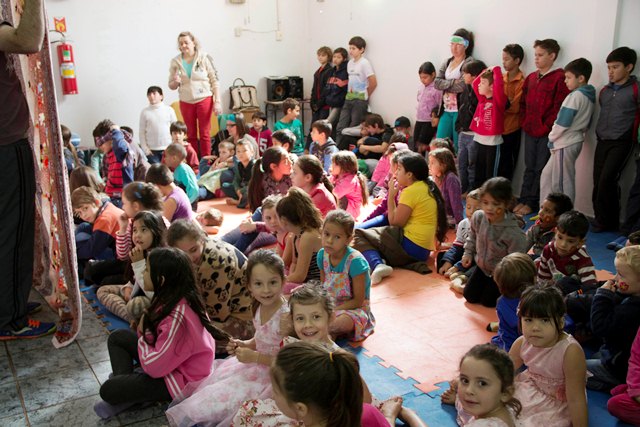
(398, 137)
(579, 67)
(342, 218)
(66, 140)
(474, 67)
(573, 224)
(285, 136)
(102, 128)
(542, 302)
(178, 127)
(446, 158)
(374, 119)
(126, 129)
(156, 89)
(502, 366)
(328, 382)
(499, 188)
(155, 223)
(426, 68)
(255, 191)
(515, 51)
(185, 229)
(349, 164)
(289, 104)
(175, 149)
(358, 42)
(310, 165)
(159, 174)
(625, 55)
(322, 126)
(325, 50)
(269, 259)
(298, 208)
(514, 273)
(173, 279)
(418, 166)
(467, 35)
(259, 115)
(241, 126)
(146, 194)
(634, 238)
(550, 45)
(85, 176)
(561, 203)
(342, 51)
(445, 142)
(309, 294)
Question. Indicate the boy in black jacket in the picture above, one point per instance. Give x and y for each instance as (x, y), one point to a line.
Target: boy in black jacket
(319, 107)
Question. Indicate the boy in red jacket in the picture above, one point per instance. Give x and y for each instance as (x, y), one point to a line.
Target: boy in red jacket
(543, 93)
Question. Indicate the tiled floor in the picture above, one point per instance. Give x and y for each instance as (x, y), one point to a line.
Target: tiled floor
(42, 386)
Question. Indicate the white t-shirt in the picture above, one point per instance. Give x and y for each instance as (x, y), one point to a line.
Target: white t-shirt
(155, 121)
(359, 73)
(450, 99)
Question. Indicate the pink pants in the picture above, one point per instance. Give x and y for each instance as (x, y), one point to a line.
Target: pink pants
(197, 117)
(623, 406)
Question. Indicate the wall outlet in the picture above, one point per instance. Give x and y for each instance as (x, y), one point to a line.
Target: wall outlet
(278, 36)
(237, 31)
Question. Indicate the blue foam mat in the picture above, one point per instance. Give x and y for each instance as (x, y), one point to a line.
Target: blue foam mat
(110, 320)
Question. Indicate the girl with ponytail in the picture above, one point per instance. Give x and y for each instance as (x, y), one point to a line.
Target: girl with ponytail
(350, 186)
(308, 175)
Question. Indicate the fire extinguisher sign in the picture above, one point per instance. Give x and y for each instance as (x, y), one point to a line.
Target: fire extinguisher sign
(60, 24)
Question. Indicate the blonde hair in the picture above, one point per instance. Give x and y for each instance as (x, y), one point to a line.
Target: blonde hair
(631, 257)
(193, 38)
(83, 196)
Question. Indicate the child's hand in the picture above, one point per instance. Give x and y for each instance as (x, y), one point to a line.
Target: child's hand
(136, 254)
(450, 271)
(232, 345)
(247, 226)
(466, 261)
(393, 189)
(435, 121)
(246, 355)
(126, 293)
(123, 220)
(445, 268)
(610, 285)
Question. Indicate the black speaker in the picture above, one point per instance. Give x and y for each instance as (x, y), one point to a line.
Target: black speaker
(295, 87)
(277, 88)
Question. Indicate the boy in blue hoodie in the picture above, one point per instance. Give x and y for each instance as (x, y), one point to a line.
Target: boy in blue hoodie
(567, 134)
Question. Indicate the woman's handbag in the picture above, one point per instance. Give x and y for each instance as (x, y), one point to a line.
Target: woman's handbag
(243, 96)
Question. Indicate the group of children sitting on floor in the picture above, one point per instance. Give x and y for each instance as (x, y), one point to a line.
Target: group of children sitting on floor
(190, 298)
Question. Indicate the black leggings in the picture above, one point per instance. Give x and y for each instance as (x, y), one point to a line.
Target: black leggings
(481, 289)
(126, 386)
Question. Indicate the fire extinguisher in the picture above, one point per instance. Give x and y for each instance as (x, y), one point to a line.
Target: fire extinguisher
(67, 69)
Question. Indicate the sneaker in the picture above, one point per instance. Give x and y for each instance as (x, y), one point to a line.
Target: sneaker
(617, 244)
(380, 272)
(33, 307)
(34, 329)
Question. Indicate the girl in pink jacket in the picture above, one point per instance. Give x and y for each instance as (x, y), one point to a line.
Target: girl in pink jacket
(174, 347)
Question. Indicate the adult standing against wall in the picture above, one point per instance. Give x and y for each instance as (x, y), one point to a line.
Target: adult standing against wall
(17, 173)
(449, 81)
(193, 74)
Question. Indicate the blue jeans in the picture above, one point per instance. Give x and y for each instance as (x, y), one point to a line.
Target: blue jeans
(376, 221)
(374, 258)
(447, 127)
(467, 154)
(536, 155)
(240, 240)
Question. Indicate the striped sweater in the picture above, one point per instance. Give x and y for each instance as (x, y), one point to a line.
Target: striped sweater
(554, 267)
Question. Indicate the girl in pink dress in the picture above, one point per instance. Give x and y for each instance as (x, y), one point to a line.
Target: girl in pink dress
(246, 374)
(308, 175)
(553, 387)
(350, 186)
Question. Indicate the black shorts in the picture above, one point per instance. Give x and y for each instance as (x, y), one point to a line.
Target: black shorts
(423, 133)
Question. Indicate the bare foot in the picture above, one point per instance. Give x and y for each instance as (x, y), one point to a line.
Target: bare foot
(232, 202)
(391, 409)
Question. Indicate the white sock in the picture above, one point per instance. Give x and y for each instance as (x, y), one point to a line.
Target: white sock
(380, 272)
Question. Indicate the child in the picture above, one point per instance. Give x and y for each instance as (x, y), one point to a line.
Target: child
(625, 403)
(85, 176)
(485, 390)
(111, 141)
(155, 122)
(488, 123)
(176, 202)
(542, 94)
(176, 343)
(442, 168)
(309, 176)
(345, 273)
(567, 134)
(178, 132)
(269, 231)
(552, 387)
(284, 138)
(322, 146)
(271, 175)
(183, 175)
(350, 186)
(397, 142)
(513, 274)
(337, 85)
(209, 181)
(241, 175)
(95, 238)
(128, 301)
(429, 99)
(616, 131)
(402, 126)
(512, 57)
(291, 110)
(299, 216)
(362, 84)
(449, 262)
(70, 153)
(246, 374)
(544, 229)
(375, 143)
(467, 103)
(494, 234)
(260, 132)
(564, 261)
(615, 317)
(319, 107)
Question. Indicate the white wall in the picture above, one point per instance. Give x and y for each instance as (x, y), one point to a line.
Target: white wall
(122, 48)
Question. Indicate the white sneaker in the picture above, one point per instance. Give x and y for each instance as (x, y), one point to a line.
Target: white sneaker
(380, 272)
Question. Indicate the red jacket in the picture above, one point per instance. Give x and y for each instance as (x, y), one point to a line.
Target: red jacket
(488, 119)
(541, 101)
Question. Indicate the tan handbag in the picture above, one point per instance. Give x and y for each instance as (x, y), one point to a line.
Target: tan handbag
(243, 96)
